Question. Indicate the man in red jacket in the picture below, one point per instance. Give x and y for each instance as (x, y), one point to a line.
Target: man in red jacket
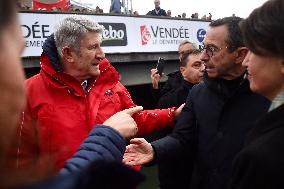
(76, 89)
(89, 165)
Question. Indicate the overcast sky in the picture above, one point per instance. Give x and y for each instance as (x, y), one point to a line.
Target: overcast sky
(241, 8)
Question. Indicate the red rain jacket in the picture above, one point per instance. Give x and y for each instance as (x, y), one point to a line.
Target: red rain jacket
(59, 114)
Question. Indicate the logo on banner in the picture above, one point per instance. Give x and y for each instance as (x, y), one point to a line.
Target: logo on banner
(114, 34)
(43, 4)
(145, 35)
(157, 35)
(200, 35)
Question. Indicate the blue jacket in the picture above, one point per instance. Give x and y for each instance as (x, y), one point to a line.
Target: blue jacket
(97, 164)
(103, 144)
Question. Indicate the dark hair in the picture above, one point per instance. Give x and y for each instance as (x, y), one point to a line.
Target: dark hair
(263, 30)
(7, 12)
(235, 39)
(186, 54)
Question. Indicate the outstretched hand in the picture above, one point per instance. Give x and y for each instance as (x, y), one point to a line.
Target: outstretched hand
(123, 122)
(138, 152)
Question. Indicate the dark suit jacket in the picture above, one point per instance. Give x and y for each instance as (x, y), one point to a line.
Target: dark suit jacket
(162, 12)
(212, 126)
(261, 163)
(175, 174)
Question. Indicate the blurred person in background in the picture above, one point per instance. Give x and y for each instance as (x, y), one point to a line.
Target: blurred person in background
(115, 7)
(204, 17)
(169, 13)
(157, 11)
(261, 163)
(97, 10)
(196, 15)
(209, 17)
(191, 68)
(175, 79)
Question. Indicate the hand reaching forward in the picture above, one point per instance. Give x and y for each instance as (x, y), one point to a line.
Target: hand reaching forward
(138, 152)
(123, 122)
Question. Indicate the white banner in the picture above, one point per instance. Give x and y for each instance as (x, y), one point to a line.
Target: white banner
(122, 35)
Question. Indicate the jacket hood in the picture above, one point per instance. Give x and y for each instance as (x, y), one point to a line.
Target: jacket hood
(53, 72)
(49, 48)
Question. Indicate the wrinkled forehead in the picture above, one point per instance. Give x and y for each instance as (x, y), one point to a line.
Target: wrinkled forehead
(217, 36)
(91, 38)
(157, 1)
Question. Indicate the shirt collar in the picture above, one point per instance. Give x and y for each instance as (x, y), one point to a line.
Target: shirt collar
(277, 101)
(84, 85)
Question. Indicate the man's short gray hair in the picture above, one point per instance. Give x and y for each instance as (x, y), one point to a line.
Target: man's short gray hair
(71, 30)
(187, 42)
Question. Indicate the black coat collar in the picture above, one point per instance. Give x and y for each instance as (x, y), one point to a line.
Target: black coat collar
(270, 121)
(227, 88)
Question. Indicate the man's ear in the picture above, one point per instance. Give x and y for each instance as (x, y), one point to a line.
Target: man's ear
(241, 54)
(181, 69)
(67, 54)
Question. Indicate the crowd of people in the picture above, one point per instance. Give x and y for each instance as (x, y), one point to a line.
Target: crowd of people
(67, 127)
(117, 7)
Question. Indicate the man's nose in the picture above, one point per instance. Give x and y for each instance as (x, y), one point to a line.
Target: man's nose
(246, 60)
(100, 54)
(204, 57)
(202, 67)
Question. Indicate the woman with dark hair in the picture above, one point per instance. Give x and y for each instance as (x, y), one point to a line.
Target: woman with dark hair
(261, 163)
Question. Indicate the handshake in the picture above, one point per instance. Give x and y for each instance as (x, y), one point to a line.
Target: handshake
(123, 122)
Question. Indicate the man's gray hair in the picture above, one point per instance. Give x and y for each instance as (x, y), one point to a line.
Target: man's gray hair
(71, 30)
(187, 42)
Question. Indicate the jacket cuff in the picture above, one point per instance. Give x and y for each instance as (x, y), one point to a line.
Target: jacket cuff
(121, 139)
(170, 114)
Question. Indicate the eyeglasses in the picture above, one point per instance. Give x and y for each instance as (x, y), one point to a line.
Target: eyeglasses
(210, 50)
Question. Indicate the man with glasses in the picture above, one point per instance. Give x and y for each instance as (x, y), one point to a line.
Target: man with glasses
(217, 115)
